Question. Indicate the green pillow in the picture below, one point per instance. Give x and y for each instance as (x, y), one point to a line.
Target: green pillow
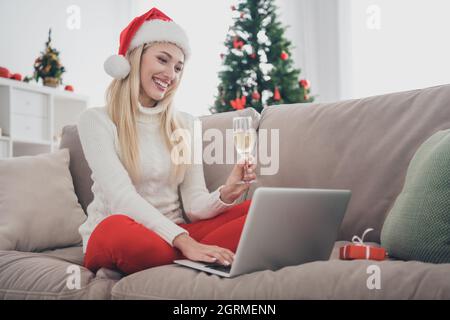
(418, 225)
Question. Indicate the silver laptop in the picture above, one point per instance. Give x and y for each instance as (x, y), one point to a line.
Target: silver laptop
(284, 227)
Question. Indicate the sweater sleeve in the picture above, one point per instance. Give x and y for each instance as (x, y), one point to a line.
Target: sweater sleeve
(198, 202)
(97, 134)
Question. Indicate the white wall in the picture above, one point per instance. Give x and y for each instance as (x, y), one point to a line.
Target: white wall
(345, 57)
(410, 49)
(24, 28)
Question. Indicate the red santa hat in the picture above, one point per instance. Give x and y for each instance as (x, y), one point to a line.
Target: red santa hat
(149, 27)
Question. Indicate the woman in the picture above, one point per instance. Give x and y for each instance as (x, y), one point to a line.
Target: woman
(135, 220)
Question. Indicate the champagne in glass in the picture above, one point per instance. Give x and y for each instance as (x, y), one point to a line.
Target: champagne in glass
(244, 139)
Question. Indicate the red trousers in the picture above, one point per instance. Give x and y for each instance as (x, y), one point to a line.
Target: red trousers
(118, 242)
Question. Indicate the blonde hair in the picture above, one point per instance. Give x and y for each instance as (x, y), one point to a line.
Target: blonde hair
(122, 107)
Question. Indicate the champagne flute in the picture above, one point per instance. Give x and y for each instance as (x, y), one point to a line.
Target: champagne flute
(244, 139)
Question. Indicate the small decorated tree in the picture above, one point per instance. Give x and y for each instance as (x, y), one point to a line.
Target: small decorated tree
(257, 66)
(47, 66)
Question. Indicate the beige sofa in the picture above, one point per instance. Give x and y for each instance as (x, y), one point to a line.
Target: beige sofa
(363, 145)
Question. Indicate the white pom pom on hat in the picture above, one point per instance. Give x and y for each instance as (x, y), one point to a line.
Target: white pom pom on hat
(117, 66)
(152, 26)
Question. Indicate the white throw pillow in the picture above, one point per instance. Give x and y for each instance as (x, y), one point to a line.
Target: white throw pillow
(39, 209)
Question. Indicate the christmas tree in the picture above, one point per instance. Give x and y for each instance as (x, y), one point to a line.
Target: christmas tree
(48, 66)
(257, 68)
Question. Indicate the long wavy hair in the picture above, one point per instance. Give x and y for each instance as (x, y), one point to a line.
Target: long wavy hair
(122, 98)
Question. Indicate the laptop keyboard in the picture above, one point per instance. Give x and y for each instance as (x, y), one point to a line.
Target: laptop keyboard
(219, 267)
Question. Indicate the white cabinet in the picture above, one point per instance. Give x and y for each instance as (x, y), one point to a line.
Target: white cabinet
(30, 103)
(4, 147)
(27, 127)
(32, 117)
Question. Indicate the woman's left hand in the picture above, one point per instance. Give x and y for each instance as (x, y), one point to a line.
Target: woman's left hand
(232, 189)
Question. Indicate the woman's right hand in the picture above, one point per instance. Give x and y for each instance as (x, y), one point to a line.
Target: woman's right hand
(197, 251)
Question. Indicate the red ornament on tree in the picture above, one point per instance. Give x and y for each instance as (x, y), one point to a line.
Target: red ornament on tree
(284, 56)
(233, 8)
(239, 104)
(276, 95)
(305, 84)
(221, 56)
(237, 44)
(256, 96)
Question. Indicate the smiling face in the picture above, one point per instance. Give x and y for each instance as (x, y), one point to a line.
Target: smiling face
(161, 67)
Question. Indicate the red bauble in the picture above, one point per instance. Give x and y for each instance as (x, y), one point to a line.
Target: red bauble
(256, 96)
(68, 88)
(253, 55)
(4, 73)
(16, 76)
(276, 95)
(284, 56)
(233, 8)
(237, 44)
(305, 84)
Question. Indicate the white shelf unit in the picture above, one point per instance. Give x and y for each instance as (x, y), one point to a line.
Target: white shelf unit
(32, 117)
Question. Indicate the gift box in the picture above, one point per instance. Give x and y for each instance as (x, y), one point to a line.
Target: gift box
(359, 250)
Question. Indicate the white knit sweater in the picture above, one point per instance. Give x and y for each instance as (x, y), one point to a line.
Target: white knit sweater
(154, 202)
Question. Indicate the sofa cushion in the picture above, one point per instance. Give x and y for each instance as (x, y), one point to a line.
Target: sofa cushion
(27, 275)
(70, 254)
(418, 226)
(364, 145)
(79, 168)
(38, 206)
(334, 279)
